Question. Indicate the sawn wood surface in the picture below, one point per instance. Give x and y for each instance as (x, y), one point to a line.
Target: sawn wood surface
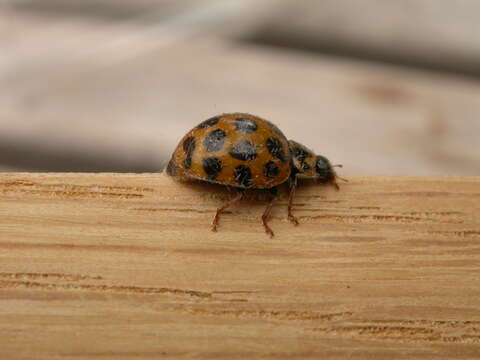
(120, 266)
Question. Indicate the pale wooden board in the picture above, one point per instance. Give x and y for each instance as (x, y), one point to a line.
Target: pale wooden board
(81, 95)
(112, 266)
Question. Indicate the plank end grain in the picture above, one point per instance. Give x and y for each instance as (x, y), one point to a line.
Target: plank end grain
(119, 266)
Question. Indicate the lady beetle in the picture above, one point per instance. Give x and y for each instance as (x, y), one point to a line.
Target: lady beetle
(244, 151)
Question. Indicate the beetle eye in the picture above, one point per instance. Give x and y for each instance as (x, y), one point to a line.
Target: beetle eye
(323, 167)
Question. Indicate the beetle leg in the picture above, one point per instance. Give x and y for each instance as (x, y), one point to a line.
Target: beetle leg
(268, 210)
(292, 184)
(220, 210)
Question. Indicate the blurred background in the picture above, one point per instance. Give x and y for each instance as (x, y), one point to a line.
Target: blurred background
(383, 87)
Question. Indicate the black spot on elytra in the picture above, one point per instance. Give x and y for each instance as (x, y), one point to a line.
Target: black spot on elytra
(171, 168)
(244, 150)
(188, 147)
(209, 122)
(187, 163)
(243, 176)
(246, 126)
(271, 170)
(212, 167)
(276, 149)
(214, 141)
(300, 154)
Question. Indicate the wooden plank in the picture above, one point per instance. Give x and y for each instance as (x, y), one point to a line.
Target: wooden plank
(125, 266)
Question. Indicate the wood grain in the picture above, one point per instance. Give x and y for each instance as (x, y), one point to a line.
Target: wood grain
(110, 266)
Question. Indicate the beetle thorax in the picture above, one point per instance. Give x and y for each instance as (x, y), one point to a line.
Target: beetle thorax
(303, 158)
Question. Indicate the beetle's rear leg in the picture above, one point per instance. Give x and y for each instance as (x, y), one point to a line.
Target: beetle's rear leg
(292, 183)
(266, 214)
(220, 210)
